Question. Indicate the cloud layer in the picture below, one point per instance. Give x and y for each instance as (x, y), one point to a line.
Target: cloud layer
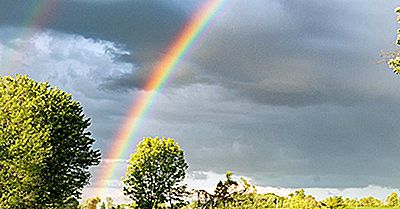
(286, 93)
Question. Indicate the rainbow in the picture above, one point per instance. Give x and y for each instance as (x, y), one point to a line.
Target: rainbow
(40, 13)
(159, 76)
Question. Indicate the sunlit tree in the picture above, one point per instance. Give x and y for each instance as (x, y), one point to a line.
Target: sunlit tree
(370, 202)
(300, 200)
(393, 200)
(155, 174)
(335, 202)
(90, 203)
(45, 150)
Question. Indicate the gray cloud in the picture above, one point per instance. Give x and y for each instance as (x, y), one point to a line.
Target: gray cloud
(282, 53)
(297, 62)
(285, 92)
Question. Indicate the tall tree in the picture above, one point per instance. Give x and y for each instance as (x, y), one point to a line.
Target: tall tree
(225, 191)
(155, 174)
(45, 150)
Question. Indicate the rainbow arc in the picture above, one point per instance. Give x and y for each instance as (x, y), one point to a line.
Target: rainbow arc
(175, 54)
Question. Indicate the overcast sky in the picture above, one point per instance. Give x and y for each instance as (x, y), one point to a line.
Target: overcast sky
(287, 93)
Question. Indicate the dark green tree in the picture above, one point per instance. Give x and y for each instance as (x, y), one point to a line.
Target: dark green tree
(45, 152)
(72, 203)
(226, 191)
(155, 174)
(232, 194)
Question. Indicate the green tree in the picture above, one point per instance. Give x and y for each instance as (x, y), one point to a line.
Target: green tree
(370, 202)
(45, 152)
(72, 203)
(351, 203)
(155, 174)
(90, 203)
(300, 200)
(108, 203)
(393, 200)
(335, 202)
(230, 194)
(225, 191)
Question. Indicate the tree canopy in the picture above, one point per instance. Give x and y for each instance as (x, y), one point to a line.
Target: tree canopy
(45, 150)
(155, 174)
(334, 202)
(393, 200)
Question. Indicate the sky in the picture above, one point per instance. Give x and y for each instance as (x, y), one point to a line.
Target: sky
(289, 94)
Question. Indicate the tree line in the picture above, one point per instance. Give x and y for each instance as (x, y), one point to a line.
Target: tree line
(230, 194)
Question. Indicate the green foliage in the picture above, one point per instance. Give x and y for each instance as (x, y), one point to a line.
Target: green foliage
(72, 203)
(245, 196)
(370, 202)
(155, 173)
(103, 205)
(300, 200)
(45, 152)
(226, 194)
(234, 195)
(335, 202)
(393, 200)
(351, 203)
(90, 203)
(108, 203)
(226, 191)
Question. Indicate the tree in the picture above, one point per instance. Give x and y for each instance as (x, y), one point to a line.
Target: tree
(370, 202)
(235, 195)
(45, 152)
(335, 202)
(155, 174)
(72, 203)
(393, 200)
(299, 199)
(393, 58)
(90, 203)
(225, 191)
(108, 203)
(351, 203)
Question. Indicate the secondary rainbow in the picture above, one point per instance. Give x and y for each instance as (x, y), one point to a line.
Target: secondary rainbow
(36, 19)
(175, 53)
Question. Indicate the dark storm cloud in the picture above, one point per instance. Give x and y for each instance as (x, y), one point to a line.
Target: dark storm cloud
(311, 55)
(270, 52)
(273, 52)
(341, 146)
